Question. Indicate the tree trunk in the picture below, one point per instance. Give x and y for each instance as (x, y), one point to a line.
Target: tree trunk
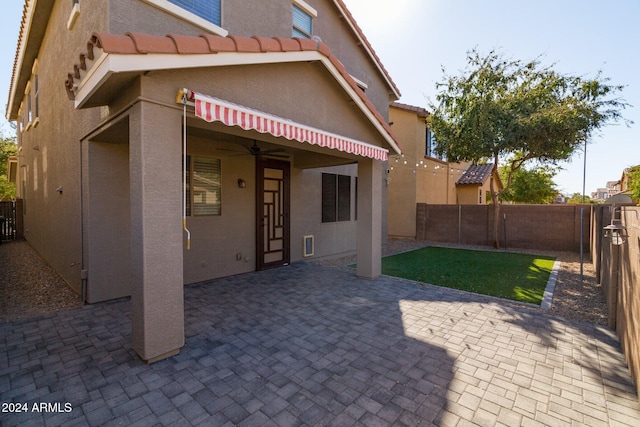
(496, 205)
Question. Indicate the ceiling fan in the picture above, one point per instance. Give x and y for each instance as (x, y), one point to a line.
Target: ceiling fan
(256, 151)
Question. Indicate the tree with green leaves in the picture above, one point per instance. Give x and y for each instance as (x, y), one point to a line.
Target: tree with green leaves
(500, 109)
(576, 199)
(633, 187)
(7, 148)
(529, 184)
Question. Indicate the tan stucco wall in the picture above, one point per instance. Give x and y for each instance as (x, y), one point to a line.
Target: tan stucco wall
(468, 194)
(271, 18)
(278, 89)
(216, 240)
(402, 181)
(52, 220)
(437, 181)
(306, 214)
(107, 213)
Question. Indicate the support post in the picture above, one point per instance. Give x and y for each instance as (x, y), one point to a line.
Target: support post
(369, 245)
(157, 294)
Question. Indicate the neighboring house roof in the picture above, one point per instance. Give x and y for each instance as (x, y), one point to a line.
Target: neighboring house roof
(134, 53)
(34, 23)
(421, 112)
(475, 175)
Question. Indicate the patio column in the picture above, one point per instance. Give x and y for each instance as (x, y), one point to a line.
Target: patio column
(157, 293)
(369, 234)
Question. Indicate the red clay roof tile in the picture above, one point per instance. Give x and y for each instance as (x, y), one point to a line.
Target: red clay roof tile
(219, 44)
(147, 43)
(421, 112)
(307, 44)
(114, 43)
(288, 45)
(245, 44)
(324, 49)
(268, 44)
(189, 44)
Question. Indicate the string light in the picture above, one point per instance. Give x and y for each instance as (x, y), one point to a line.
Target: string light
(440, 169)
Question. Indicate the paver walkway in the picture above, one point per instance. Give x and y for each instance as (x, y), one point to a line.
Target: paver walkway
(312, 345)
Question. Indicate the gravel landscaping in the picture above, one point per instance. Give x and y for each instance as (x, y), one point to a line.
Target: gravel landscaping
(29, 287)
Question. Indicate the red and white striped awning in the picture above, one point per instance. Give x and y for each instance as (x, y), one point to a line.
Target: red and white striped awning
(213, 109)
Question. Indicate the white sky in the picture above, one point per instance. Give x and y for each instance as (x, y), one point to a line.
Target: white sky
(415, 38)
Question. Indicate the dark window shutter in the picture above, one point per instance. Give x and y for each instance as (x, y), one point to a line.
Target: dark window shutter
(329, 198)
(344, 198)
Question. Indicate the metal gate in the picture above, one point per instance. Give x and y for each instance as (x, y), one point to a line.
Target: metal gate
(7, 221)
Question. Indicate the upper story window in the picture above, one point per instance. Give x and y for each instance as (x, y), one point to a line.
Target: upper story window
(430, 146)
(301, 23)
(31, 99)
(303, 15)
(209, 10)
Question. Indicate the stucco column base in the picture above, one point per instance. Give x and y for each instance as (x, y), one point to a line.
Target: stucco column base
(157, 287)
(369, 234)
(162, 356)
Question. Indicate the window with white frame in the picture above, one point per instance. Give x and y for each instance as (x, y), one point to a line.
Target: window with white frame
(302, 23)
(203, 186)
(28, 105)
(36, 90)
(210, 10)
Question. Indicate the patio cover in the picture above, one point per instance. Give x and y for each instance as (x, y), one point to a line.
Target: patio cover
(213, 109)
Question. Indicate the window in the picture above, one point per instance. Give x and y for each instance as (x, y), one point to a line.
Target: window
(203, 187)
(336, 197)
(75, 13)
(480, 196)
(430, 146)
(36, 89)
(209, 10)
(301, 23)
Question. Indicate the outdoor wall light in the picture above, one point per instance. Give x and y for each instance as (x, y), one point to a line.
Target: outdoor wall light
(616, 231)
(241, 183)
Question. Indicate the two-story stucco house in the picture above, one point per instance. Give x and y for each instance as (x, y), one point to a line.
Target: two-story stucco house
(168, 142)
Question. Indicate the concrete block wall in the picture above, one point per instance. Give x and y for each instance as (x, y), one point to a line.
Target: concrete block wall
(551, 227)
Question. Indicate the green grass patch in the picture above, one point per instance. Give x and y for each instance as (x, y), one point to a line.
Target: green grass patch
(518, 277)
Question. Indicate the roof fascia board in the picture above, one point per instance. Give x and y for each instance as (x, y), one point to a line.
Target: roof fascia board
(367, 47)
(23, 39)
(108, 64)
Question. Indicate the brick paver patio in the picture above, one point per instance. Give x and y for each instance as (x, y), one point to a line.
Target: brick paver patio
(312, 345)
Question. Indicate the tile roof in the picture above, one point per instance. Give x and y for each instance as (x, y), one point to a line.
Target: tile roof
(421, 112)
(133, 43)
(475, 174)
